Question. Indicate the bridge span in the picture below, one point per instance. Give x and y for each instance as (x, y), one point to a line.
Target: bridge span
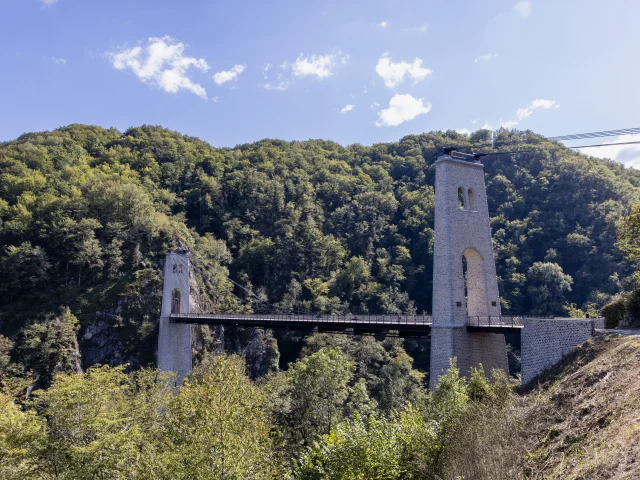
(404, 325)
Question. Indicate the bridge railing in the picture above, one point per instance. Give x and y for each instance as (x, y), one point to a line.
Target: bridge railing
(497, 321)
(518, 320)
(386, 319)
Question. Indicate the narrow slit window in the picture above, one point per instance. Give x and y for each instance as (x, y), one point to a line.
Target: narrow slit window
(461, 198)
(175, 268)
(176, 300)
(472, 200)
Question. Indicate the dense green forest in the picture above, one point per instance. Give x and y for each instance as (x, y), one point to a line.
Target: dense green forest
(87, 214)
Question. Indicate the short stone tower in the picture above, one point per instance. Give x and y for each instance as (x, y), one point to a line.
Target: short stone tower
(463, 242)
(174, 341)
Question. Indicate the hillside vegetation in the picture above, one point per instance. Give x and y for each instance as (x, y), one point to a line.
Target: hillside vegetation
(86, 215)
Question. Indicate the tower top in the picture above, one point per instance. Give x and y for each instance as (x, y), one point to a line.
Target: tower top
(454, 154)
(460, 161)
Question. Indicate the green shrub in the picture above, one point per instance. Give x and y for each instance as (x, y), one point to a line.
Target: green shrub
(614, 312)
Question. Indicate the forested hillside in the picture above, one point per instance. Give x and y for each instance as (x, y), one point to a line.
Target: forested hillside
(86, 215)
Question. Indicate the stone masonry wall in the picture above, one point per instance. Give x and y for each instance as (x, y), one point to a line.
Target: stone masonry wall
(546, 341)
(488, 349)
(469, 349)
(442, 350)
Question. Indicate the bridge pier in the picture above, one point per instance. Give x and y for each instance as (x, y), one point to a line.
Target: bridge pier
(464, 272)
(174, 339)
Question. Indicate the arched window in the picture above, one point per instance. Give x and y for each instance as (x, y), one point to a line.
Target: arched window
(461, 198)
(176, 301)
(472, 200)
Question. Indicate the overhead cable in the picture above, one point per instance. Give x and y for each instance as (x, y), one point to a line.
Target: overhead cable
(608, 133)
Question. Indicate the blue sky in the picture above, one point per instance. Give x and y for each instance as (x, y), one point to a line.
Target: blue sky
(350, 71)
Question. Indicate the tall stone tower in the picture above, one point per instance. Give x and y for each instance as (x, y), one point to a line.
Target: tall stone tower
(464, 271)
(174, 340)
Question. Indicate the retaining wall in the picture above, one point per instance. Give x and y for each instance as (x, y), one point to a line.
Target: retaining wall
(545, 341)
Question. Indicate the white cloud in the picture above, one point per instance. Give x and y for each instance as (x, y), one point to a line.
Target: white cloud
(280, 86)
(48, 3)
(266, 67)
(383, 24)
(228, 75)
(523, 113)
(214, 99)
(463, 131)
(162, 63)
(523, 8)
(628, 155)
(486, 126)
(423, 28)
(402, 108)
(374, 105)
(485, 58)
(393, 73)
(320, 66)
(347, 108)
(526, 112)
(59, 61)
(508, 124)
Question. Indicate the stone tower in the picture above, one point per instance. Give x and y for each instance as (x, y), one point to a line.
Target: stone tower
(463, 242)
(174, 340)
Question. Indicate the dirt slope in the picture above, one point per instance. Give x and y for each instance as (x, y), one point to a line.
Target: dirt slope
(583, 419)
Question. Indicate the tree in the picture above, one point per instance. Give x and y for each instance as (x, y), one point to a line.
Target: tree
(105, 424)
(218, 424)
(21, 434)
(547, 286)
(401, 384)
(50, 346)
(6, 346)
(629, 234)
(316, 388)
(447, 407)
(113, 257)
(383, 367)
(24, 267)
(374, 448)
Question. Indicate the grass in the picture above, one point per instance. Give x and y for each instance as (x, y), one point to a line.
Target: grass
(583, 416)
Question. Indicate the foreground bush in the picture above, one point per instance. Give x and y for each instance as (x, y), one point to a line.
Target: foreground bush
(375, 448)
(108, 424)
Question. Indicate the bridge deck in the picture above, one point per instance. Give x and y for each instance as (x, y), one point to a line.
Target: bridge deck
(416, 324)
(359, 323)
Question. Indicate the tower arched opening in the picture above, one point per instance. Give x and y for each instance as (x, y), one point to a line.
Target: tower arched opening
(474, 283)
